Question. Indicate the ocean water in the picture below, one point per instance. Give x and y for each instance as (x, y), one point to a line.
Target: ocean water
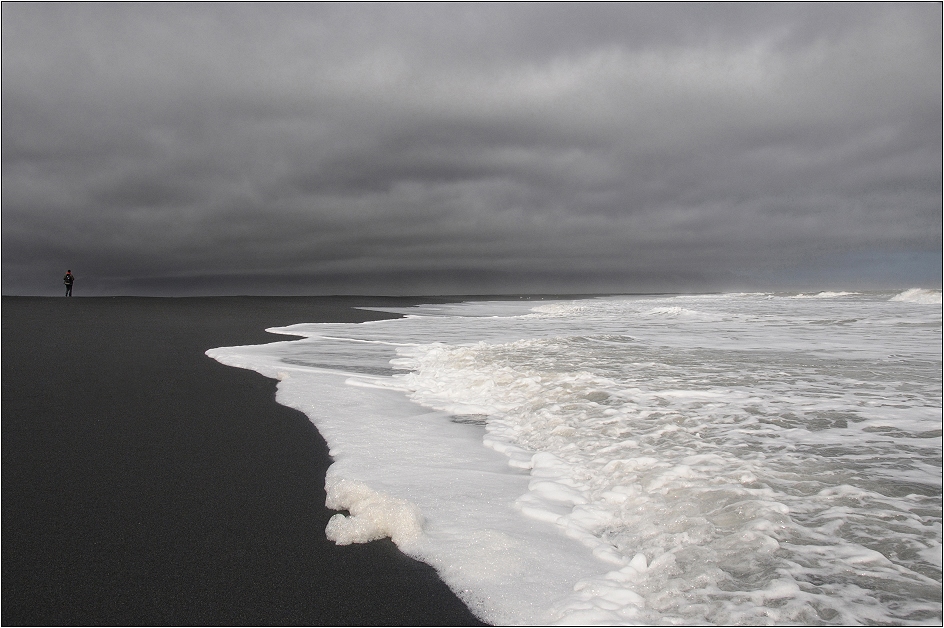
(762, 458)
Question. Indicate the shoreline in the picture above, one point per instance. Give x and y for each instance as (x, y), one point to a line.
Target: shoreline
(145, 483)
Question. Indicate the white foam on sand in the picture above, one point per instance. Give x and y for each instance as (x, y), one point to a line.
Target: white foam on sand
(427, 483)
(707, 459)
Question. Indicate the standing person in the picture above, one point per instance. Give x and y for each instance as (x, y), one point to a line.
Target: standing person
(68, 279)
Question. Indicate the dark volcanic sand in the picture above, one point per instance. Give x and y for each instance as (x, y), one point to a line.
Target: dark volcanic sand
(144, 483)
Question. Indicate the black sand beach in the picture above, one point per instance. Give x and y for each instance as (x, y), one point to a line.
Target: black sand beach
(144, 483)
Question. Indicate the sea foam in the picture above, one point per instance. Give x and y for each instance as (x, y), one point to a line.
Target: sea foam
(749, 458)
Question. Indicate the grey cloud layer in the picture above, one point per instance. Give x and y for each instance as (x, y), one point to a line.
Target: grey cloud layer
(463, 148)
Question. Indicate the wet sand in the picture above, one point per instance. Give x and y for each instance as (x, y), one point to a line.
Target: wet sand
(144, 483)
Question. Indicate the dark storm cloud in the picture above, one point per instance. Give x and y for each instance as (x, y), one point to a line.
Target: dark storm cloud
(470, 148)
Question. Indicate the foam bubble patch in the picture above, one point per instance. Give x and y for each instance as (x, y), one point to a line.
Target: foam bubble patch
(373, 515)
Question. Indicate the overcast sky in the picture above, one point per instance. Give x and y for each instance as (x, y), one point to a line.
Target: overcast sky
(470, 148)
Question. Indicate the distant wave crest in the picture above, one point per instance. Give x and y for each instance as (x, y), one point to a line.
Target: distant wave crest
(823, 295)
(919, 295)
